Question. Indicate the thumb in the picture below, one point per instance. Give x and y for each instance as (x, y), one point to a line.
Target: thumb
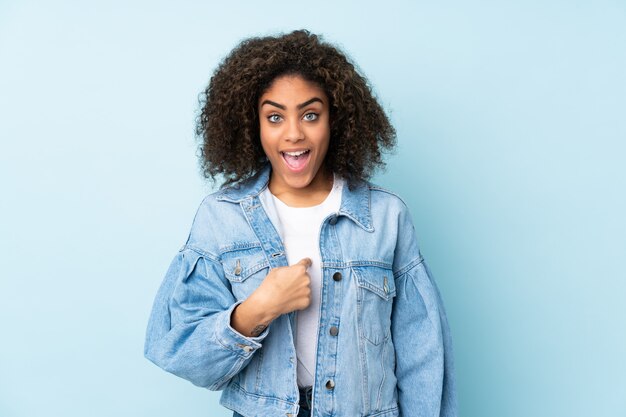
(306, 262)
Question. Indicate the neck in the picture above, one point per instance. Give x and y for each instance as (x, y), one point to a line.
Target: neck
(311, 195)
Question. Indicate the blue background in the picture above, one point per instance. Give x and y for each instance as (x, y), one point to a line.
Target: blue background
(511, 130)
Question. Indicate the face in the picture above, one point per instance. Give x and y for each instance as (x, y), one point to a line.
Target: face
(295, 132)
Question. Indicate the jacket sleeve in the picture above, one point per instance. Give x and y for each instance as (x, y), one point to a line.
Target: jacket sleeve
(421, 336)
(189, 332)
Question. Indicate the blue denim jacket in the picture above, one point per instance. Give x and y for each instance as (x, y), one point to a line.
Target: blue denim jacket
(392, 355)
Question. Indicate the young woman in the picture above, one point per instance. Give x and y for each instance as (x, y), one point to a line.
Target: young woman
(301, 290)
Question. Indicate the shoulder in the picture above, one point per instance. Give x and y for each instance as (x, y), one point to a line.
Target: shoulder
(215, 219)
(397, 218)
(383, 196)
(211, 206)
(390, 209)
(381, 192)
(227, 195)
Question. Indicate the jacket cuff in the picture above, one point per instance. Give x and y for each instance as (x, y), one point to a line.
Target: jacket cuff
(232, 340)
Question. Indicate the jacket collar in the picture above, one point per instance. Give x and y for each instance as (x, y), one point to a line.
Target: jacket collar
(355, 203)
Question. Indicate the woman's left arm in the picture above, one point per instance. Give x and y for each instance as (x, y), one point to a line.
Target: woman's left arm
(420, 333)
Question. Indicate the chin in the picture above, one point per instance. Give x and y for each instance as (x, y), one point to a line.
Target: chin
(298, 182)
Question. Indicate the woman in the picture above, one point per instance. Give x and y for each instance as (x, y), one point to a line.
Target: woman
(301, 289)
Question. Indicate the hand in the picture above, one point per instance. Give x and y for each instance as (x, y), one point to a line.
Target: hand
(285, 289)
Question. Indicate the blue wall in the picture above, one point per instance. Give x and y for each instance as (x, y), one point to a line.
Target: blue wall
(511, 128)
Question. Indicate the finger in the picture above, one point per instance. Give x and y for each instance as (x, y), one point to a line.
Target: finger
(306, 262)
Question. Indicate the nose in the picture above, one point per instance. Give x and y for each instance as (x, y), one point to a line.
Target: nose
(294, 131)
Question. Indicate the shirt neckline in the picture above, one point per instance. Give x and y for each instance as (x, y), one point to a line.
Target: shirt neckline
(336, 188)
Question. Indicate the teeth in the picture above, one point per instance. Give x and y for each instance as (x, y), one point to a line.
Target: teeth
(295, 153)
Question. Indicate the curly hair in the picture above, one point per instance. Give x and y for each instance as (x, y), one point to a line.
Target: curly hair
(228, 124)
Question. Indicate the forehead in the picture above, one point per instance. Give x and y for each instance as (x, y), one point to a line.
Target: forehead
(293, 88)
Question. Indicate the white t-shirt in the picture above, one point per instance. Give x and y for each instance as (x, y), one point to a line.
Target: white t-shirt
(299, 229)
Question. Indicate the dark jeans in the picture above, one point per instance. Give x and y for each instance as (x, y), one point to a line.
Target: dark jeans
(305, 404)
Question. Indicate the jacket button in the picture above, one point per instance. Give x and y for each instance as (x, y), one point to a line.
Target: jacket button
(330, 384)
(337, 276)
(334, 331)
(333, 220)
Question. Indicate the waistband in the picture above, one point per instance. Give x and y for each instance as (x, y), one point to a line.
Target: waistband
(305, 397)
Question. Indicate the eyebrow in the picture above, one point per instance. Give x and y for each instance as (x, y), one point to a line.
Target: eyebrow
(299, 106)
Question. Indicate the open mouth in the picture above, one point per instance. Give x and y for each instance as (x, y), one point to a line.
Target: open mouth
(296, 160)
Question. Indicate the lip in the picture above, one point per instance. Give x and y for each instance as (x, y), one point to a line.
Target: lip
(295, 150)
(289, 167)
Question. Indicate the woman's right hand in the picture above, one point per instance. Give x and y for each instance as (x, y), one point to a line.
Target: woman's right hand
(284, 289)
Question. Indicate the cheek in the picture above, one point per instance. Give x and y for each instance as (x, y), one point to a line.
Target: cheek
(265, 138)
(269, 144)
(323, 136)
(266, 149)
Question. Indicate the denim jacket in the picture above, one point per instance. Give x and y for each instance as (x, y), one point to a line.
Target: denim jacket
(392, 354)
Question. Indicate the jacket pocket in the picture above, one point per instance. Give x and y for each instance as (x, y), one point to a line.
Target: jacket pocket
(245, 266)
(374, 301)
(376, 290)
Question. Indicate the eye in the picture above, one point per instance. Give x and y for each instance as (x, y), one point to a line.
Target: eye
(310, 117)
(274, 118)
